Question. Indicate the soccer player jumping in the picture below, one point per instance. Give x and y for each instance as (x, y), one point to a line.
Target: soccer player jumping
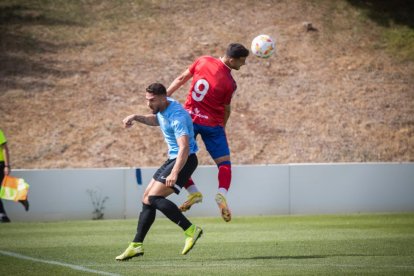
(208, 102)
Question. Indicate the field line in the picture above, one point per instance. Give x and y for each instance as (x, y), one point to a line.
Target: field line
(75, 267)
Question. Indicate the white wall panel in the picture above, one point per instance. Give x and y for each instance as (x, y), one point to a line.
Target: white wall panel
(333, 188)
(255, 190)
(62, 194)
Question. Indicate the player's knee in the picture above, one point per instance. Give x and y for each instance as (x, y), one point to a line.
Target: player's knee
(145, 196)
(222, 159)
(152, 200)
(225, 164)
(145, 200)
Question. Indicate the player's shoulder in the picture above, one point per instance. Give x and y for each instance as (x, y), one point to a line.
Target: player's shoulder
(176, 107)
(173, 105)
(206, 59)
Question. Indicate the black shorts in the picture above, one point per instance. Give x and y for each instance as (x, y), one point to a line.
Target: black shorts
(185, 173)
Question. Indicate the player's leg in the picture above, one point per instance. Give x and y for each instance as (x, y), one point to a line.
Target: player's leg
(146, 218)
(25, 203)
(216, 143)
(224, 177)
(136, 247)
(170, 210)
(224, 173)
(194, 195)
(3, 215)
(157, 198)
(145, 221)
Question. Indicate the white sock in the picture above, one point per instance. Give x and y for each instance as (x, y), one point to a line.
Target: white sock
(192, 189)
(222, 191)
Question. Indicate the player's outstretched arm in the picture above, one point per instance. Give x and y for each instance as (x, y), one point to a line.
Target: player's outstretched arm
(178, 82)
(150, 119)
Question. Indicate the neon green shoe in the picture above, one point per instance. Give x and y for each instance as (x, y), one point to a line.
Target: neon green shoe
(224, 208)
(191, 200)
(134, 249)
(192, 235)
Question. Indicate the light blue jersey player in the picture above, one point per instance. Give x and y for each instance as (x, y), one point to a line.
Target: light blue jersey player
(176, 122)
(177, 128)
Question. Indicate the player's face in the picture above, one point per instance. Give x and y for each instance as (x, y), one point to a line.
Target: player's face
(155, 102)
(236, 63)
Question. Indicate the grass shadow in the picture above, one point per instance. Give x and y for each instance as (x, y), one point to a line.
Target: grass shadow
(299, 257)
(385, 12)
(18, 14)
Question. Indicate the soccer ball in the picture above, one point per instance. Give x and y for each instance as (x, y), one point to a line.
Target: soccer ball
(263, 46)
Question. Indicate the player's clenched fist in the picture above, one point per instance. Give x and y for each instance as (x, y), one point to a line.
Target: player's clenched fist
(128, 121)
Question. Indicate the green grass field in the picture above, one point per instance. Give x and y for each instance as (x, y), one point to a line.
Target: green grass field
(377, 244)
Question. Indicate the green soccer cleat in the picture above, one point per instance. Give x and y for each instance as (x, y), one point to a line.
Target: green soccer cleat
(224, 208)
(191, 200)
(192, 235)
(134, 249)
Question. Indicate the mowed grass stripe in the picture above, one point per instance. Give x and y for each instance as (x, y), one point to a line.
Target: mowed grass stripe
(377, 244)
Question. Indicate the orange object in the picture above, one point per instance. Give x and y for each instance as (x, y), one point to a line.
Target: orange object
(13, 188)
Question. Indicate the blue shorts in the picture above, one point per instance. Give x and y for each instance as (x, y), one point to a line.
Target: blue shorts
(214, 138)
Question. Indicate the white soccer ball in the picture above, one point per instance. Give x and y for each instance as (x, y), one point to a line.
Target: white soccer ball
(263, 46)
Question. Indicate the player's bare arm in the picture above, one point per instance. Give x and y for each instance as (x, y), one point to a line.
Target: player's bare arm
(178, 82)
(150, 120)
(184, 149)
(227, 112)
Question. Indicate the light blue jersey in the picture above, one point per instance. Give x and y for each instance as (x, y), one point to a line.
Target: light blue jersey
(176, 122)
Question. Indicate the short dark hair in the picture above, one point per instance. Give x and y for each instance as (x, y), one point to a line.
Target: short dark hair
(236, 50)
(156, 88)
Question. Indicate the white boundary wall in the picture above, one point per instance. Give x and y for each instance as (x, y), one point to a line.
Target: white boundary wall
(256, 190)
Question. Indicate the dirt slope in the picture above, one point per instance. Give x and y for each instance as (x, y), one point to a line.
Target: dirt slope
(328, 95)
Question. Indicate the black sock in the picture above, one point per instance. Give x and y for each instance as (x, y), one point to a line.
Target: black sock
(170, 210)
(146, 218)
(2, 208)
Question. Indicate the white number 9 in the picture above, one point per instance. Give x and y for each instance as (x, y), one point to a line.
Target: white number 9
(200, 90)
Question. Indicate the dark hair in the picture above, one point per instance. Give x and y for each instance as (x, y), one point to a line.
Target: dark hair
(156, 89)
(236, 50)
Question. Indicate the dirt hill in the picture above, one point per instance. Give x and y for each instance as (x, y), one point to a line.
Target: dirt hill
(70, 72)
